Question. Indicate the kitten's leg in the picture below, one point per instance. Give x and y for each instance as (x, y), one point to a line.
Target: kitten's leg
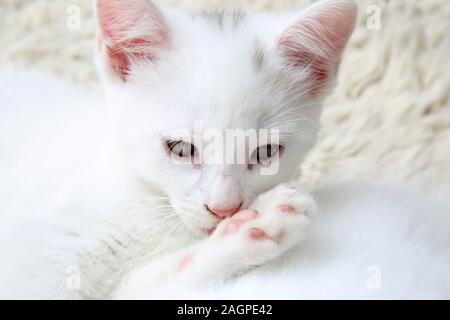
(276, 221)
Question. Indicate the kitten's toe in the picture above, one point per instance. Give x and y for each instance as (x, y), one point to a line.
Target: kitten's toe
(286, 200)
(233, 225)
(257, 234)
(286, 208)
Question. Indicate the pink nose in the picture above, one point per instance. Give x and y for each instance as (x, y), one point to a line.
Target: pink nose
(223, 213)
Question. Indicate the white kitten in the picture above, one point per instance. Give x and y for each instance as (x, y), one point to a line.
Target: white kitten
(110, 199)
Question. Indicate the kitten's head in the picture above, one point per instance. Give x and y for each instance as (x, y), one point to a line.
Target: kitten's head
(180, 83)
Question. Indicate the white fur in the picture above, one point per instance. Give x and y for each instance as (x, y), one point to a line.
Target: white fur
(88, 191)
(368, 241)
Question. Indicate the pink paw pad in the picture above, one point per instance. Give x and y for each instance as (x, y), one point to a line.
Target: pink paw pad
(232, 227)
(239, 219)
(257, 234)
(285, 208)
(245, 215)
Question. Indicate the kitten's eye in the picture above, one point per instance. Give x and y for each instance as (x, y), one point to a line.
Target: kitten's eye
(181, 149)
(266, 153)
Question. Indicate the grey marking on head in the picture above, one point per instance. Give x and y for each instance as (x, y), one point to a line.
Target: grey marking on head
(237, 18)
(259, 55)
(221, 17)
(217, 17)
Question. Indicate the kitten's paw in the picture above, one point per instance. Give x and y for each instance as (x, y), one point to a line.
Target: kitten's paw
(277, 220)
(285, 214)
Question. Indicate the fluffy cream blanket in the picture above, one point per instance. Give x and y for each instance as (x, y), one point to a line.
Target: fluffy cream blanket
(389, 116)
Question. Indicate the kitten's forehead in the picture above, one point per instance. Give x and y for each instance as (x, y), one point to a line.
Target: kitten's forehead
(222, 72)
(233, 96)
(222, 86)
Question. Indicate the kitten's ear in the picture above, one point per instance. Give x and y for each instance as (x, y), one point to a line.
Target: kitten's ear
(129, 30)
(314, 43)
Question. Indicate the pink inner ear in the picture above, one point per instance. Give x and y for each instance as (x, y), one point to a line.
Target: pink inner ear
(120, 56)
(301, 58)
(316, 42)
(130, 30)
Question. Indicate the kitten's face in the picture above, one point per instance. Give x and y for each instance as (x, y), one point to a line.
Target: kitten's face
(180, 84)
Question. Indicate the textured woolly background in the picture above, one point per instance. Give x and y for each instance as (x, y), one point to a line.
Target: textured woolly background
(389, 117)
